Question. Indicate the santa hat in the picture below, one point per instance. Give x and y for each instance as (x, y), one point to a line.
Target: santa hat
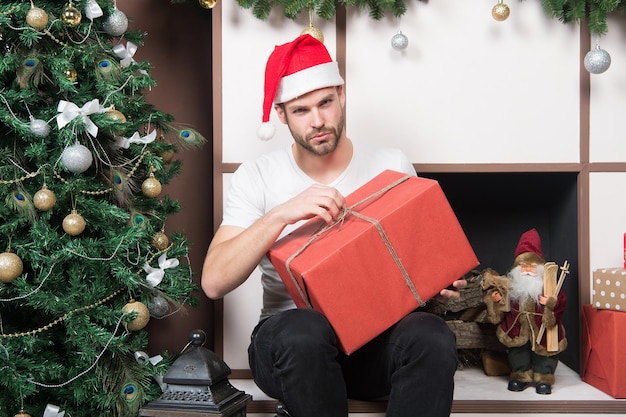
(294, 69)
(529, 249)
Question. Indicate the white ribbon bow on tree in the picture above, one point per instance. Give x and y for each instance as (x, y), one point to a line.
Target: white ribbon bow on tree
(53, 411)
(126, 53)
(123, 142)
(93, 10)
(155, 275)
(68, 111)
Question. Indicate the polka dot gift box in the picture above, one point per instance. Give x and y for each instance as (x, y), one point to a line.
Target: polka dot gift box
(609, 289)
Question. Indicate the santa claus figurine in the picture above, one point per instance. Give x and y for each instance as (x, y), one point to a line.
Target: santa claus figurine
(518, 305)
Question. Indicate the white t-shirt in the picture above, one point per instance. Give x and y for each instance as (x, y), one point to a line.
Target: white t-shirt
(261, 184)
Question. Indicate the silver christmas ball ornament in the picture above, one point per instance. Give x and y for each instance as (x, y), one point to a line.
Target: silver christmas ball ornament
(158, 306)
(76, 158)
(116, 23)
(597, 60)
(399, 41)
(39, 127)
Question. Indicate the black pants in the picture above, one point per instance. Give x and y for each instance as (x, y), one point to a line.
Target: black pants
(294, 358)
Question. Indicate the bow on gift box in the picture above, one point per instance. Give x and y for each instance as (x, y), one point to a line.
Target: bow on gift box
(53, 411)
(93, 10)
(155, 275)
(126, 53)
(68, 111)
(123, 142)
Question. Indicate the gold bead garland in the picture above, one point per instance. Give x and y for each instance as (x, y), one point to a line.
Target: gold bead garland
(78, 309)
(110, 189)
(62, 318)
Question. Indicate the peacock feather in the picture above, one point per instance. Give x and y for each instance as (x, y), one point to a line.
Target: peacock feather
(188, 137)
(30, 72)
(21, 202)
(123, 187)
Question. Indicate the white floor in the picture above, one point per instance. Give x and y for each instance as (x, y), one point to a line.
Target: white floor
(473, 384)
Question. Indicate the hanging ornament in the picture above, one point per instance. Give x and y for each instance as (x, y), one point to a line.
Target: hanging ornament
(143, 315)
(151, 187)
(71, 16)
(71, 74)
(597, 60)
(399, 41)
(500, 11)
(312, 30)
(207, 4)
(74, 224)
(160, 241)
(44, 199)
(115, 115)
(22, 413)
(39, 127)
(76, 158)
(116, 23)
(37, 18)
(159, 306)
(11, 267)
(167, 156)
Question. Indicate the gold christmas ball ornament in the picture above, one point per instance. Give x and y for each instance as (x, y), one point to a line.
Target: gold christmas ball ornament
(11, 267)
(160, 241)
(500, 11)
(208, 4)
(116, 115)
(44, 199)
(37, 18)
(167, 156)
(143, 315)
(71, 74)
(151, 187)
(74, 224)
(22, 413)
(313, 31)
(71, 16)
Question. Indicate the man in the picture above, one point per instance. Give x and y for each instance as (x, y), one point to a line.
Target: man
(293, 352)
(520, 323)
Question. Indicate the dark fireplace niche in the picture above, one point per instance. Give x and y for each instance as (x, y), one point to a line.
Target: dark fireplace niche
(494, 210)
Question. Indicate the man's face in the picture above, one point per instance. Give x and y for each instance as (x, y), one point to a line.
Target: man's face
(316, 120)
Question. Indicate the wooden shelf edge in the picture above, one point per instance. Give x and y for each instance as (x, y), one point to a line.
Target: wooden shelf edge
(480, 406)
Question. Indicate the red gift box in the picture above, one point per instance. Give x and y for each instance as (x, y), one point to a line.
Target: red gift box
(398, 244)
(604, 357)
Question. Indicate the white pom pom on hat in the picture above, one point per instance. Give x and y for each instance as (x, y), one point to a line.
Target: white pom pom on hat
(294, 69)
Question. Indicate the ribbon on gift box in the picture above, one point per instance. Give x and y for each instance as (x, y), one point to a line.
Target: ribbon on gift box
(352, 211)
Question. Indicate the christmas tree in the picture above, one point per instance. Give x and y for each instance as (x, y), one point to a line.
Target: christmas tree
(85, 259)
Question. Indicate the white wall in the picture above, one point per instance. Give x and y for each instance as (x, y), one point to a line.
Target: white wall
(468, 89)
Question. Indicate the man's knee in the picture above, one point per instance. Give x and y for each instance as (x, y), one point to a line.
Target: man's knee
(428, 332)
(304, 328)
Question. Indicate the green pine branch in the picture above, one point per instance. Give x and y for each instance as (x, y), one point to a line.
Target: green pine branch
(595, 12)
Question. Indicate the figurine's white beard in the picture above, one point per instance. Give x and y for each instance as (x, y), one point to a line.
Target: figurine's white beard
(526, 285)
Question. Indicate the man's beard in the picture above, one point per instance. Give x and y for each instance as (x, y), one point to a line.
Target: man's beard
(326, 147)
(526, 285)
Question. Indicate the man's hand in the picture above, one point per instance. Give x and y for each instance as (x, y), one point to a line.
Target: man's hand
(317, 200)
(452, 292)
